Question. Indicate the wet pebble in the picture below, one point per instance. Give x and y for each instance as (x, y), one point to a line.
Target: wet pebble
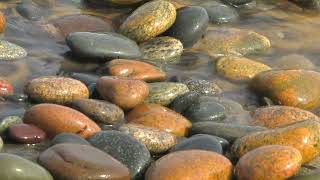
(99, 111)
(313, 176)
(237, 2)
(125, 149)
(182, 102)
(9, 121)
(102, 46)
(269, 162)
(294, 61)
(54, 89)
(160, 117)
(10, 51)
(68, 138)
(3, 22)
(85, 78)
(202, 86)
(26, 134)
(125, 93)
(55, 119)
(165, 92)
(116, 2)
(308, 4)
(5, 88)
(220, 13)
(149, 20)
(161, 50)
(191, 164)
(75, 161)
(31, 11)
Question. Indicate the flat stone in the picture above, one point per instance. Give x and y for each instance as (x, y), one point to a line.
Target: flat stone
(294, 61)
(202, 86)
(86, 79)
(6, 88)
(7, 122)
(3, 22)
(220, 13)
(31, 11)
(308, 4)
(68, 138)
(116, 2)
(10, 51)
(26, 134)
(184, 101)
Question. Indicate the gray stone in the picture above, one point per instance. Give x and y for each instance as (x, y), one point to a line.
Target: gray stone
(68, 138)
(220, 13)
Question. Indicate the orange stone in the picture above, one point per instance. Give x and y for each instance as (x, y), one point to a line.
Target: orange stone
(191, 164)
(3, 22)
(55, 119)
(135, 70)
(272, 162)
(126, 93)
(160, 117)
(275, 116)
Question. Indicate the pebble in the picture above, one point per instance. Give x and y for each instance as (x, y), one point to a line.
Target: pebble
(149, 20)
(135, 69)
(157, 141)
(191, 164)
(190, 25)
(68, 138)
(160, 117)
(294, 61)
(125, 93)
(55, 119)
(10, 51)
(231, 41)
(3, 22)
(238, 2)
(116, 2)
(297, 88)
(5, 88)
(161, 50)
(54, 89)
(223, 142)
(220, 13)
(276, 116)
(308, 4)
(31, 11)
(269, 162)
(125, 149)
(85, 78)
(26, 134)
(164, 93)
(18, 168)
(230, 132)
(104, 46)
(302, 135)
(184, 101)
(313, 176)
(239, 68)
(99, 111)
(76, 161)
(202, 86)
(200, 142)
(7, 122)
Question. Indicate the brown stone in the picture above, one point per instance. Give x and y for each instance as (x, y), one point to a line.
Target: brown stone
(75, 162)
(191, 164)
(157, 116)
(272, 162)
(135, 70)
(3, 22)
(275, 116)
(55, 119)
(126, 93)
(26, 134)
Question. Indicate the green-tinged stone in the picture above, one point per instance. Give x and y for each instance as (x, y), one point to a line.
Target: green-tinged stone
(6, 122)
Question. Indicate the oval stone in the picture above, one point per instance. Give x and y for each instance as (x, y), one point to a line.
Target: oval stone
(298, 88)
(5, 88)
(191, 164)
(220, 13)
(149, 20)
(275, 116)
(124, 148)
(126, 93)
(116, 2)
(164, 93)
(17, 168)
(103, 46)
(57, 90)
(10, 51)
(55, 119)
(9, 121)
(75, 161)
(160, 117)
(3, 22)
(26, 134)
(68, 138)
(190, 25)
(157, 141)
(268, 163)
(302, 135)
(99, 111)
(239, 68)
(135, 70)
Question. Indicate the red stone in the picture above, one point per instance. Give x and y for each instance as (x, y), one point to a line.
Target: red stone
(5, 88)
(26, 134)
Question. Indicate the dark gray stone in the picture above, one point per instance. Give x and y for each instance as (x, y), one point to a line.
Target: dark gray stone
(220, 13)
(31, 11)
(182, 103)
(68, 138)
(224, 143)
(308, 4)
(87, 79)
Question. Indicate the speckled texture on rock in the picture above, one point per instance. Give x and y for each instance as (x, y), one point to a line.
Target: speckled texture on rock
(54, 89)
(271, 162)
(239, 68)
(124, 148)
(157, 141)
(149, 20)
(191, 164)
(8, 121)
(302, 135)
(275, 116)
(162, 50)
(10, 51)
(202, 86)
(165, 92)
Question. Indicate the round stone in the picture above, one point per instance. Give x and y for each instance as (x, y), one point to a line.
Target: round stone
(3, 22)
(10, 51)
(190, 25)
(149, 20)
(5, 88)
(54, 89)
(125, 149)
(202, 86)
(55, 119)
(68, 138)
(161, 50)
(75, 161)
(220, 13)
(269, 162)
(294, 61)
(26, 134)
(126, 93)
(7, 122)
(99, 111)
(191, 164)
(184, 101)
